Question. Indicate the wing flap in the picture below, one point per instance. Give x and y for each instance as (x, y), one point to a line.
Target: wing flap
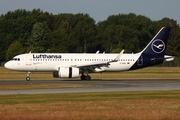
(98, 64)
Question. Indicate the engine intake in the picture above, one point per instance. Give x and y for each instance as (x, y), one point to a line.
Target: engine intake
(66, 72)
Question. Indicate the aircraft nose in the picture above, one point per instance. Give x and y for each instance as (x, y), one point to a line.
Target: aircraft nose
(7, 65)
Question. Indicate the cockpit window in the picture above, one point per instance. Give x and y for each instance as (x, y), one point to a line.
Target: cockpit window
(15, 59)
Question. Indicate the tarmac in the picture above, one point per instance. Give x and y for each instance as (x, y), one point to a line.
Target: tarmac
(107, 85)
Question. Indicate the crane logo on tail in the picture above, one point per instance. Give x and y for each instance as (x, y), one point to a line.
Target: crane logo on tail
(158, 46)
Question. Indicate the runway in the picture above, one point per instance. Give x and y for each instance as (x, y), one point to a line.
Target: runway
(97, 85)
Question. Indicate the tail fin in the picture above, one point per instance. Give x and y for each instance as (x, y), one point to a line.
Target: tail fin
(154, 52)
(157, 46)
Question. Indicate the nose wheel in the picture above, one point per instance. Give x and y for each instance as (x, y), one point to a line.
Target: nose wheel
(28, 76)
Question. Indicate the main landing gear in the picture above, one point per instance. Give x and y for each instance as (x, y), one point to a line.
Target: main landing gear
(28, 76)
(85, 77)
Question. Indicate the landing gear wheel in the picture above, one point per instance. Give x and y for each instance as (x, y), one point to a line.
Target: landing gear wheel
(88, 77)
(28, 78)
(83, 77)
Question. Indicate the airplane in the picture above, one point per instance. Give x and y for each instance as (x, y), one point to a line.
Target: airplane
(71, 65)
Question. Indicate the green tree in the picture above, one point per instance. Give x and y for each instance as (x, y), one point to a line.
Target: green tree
(39, 39)
(78, 31)
(39, 31)
(85, 32)
(14, 49)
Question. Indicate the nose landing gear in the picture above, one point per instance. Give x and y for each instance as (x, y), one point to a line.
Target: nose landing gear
(28, 76)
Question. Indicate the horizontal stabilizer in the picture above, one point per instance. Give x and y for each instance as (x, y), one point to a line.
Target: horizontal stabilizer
(168, 58)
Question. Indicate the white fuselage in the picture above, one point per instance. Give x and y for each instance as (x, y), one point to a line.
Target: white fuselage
(51, 61)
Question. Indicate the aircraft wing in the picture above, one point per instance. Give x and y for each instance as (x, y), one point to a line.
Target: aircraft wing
(98, 64)
(95, 65)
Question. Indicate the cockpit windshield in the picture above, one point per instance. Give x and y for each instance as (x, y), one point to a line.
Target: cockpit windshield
(15, 59)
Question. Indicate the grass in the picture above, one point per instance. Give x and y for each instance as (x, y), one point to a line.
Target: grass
(156, 105)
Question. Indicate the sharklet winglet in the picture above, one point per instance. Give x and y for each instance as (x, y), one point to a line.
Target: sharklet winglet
(118, 57)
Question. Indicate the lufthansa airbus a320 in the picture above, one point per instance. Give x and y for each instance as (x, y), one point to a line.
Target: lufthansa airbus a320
(70, 65)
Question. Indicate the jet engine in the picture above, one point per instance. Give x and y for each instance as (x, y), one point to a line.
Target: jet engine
(66, 72)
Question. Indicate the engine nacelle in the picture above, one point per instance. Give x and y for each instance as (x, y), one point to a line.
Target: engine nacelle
(66, 72)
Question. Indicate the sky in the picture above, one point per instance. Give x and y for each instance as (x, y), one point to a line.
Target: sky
(99, 10)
